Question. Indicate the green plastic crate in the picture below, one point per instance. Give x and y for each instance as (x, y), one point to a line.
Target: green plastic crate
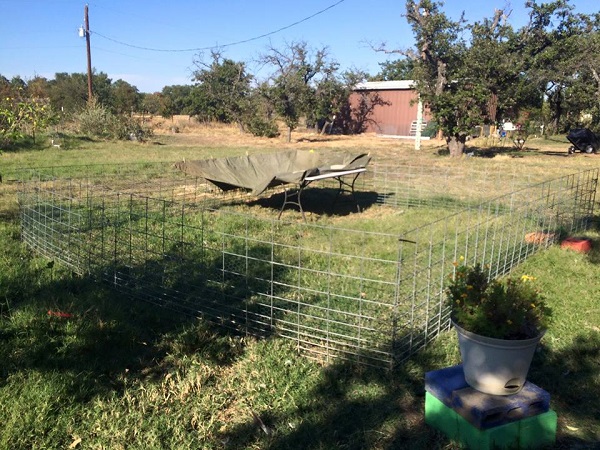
(529, 433)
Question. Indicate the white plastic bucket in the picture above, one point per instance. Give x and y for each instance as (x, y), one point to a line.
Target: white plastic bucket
(495, 366)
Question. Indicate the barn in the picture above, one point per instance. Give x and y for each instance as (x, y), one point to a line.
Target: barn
(396, 112)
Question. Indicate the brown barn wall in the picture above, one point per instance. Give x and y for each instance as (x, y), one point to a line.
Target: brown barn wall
(396, 117)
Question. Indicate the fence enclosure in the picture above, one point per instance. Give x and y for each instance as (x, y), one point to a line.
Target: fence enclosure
(366, 288)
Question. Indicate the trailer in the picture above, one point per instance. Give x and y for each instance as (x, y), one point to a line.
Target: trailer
(584, 140)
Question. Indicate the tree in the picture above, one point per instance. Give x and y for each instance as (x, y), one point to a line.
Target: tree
(10, 127)
(5, 88)
(20, 116)
(38, 88)
(298, 71)
(176, 99)
(152, 103)
(125, 98)
(496, 61)
(592, 64)
(399, 69)
(465, 83)
(582, 95)
(18, 84)
(445, 84)
(101, 87)
(37, 115)
(221, 91)
(68, 92)
(551, 52)
(260, 119)
(331, 94)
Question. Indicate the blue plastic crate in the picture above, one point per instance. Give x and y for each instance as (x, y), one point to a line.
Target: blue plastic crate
(442, 383)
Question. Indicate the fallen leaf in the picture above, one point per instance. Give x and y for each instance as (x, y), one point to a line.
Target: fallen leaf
(75, 442)
(258, 421)
(572, 428)
(61, 314)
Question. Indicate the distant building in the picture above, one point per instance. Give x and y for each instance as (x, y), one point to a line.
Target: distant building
(398, 115)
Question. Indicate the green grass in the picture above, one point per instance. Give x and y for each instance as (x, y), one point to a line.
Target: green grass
(124, 374)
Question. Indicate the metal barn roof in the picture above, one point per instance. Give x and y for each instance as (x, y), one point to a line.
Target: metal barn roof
(385, 85)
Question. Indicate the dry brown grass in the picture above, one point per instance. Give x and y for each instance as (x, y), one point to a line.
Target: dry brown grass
(190, 132)
(547, 157)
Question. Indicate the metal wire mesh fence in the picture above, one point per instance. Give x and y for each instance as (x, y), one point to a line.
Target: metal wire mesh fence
(367, 289)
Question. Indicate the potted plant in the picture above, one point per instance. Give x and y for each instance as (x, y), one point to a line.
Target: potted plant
(499, 324)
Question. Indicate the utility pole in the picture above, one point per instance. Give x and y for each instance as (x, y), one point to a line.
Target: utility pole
(86, 22)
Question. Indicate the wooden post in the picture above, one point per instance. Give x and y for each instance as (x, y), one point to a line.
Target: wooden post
(419, 125)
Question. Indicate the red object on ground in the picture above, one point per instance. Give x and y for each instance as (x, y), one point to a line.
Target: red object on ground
(580, 245)
(539, 237)
(64, 315)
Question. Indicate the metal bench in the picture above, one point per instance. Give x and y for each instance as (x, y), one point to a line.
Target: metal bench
(293, 196)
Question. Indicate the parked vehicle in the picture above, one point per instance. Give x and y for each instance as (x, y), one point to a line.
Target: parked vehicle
(584, 140)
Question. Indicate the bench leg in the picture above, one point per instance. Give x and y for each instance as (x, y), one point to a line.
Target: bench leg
(288, 199)
(344, 185)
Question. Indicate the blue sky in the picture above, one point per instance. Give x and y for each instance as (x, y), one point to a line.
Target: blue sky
(40, 37)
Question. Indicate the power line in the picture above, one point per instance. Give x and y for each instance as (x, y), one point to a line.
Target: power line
(42, 47)
(230, 44)
(128, 55)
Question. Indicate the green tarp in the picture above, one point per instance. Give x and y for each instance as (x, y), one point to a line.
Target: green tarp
(256, 173)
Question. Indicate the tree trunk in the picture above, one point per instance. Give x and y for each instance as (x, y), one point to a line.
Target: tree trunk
(456, 144)
(596, 76)
(289, 134)
(240, 125)
(557, 109)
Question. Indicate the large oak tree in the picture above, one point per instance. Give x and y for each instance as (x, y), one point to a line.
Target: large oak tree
(467, 74)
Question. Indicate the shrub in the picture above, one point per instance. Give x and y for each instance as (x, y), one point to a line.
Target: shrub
(97, 121)
(262, 127)
(131, 128)
(22, 118)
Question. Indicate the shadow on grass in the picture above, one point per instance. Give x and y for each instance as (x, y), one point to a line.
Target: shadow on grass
(323, 201)
(94, 337)
(109, 339)
(492, 152)
(321, 138)
(7, 215)
(562, 154)
(354, 408)
(43, 142)
(351, 408)
(97, 338)
(571, 376)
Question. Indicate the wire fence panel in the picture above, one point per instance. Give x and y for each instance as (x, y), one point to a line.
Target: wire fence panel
(371, 292)
(405, 186)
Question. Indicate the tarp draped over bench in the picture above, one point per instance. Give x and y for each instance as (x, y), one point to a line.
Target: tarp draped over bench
(256, 173)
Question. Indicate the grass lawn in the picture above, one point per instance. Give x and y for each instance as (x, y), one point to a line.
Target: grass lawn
(84, 367)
